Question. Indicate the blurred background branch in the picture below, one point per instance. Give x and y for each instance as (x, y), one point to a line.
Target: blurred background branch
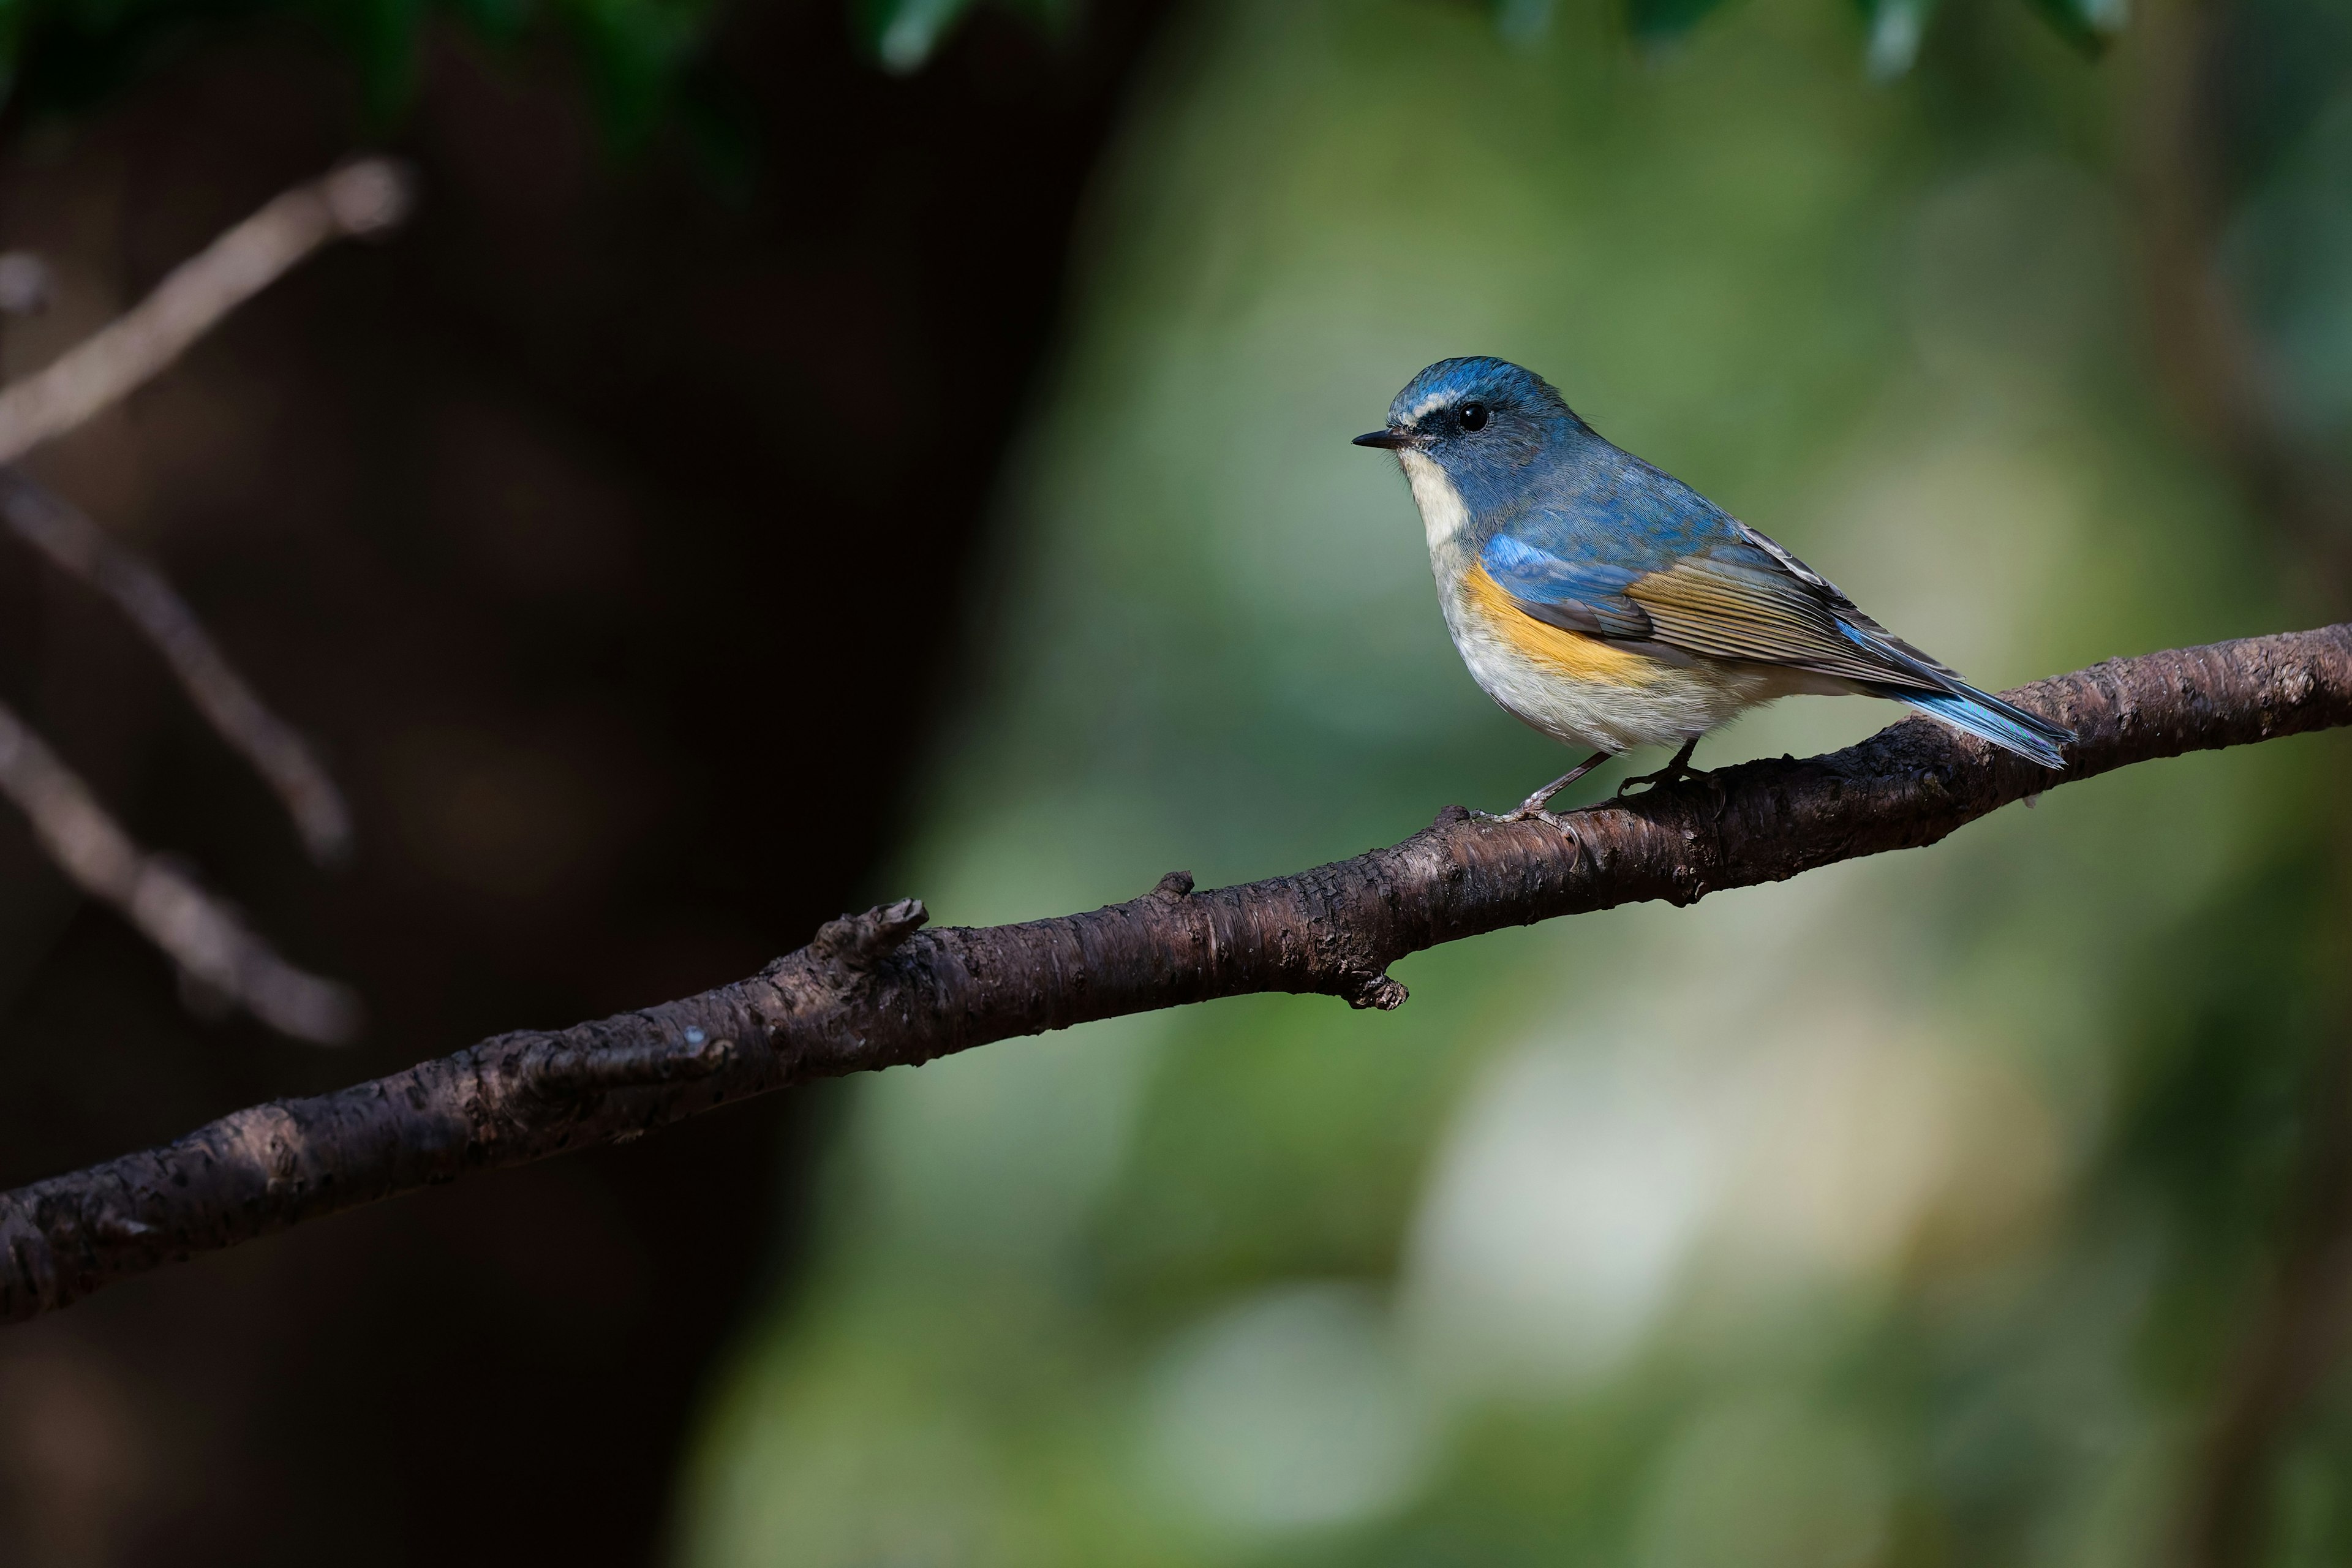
(211, 945)
(364, 198)
(221, 959)
(285, 760)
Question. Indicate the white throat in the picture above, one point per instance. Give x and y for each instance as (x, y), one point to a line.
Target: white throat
(1444, 514)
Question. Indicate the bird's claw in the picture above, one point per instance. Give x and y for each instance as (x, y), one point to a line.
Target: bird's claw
(1677, 769)
(1674, 773)
(1535, 804)
(1531, 813)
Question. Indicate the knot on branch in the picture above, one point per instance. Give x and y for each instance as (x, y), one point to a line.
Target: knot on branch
(859, 943)
(1371, 990)
(1175, 886)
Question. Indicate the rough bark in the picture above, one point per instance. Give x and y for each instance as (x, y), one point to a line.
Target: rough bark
(875, 990)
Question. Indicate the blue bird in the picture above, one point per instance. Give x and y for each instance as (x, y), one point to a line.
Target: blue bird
(1610, 606)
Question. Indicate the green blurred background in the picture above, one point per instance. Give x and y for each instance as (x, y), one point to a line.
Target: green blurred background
(1926, 1210)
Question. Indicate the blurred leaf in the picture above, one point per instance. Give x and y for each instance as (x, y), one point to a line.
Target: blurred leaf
(635, 51)
(2089, 24)
(1523, 21)
(1655, 21)
(904, 33)
(62, 56)
(1896, 28)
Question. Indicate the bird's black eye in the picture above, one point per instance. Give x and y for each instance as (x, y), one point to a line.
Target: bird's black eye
(1473, 416)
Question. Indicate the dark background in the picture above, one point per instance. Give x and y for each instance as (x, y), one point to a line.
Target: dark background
(604, 527)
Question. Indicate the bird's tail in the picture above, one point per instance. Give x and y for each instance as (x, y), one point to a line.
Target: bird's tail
(1989, 718)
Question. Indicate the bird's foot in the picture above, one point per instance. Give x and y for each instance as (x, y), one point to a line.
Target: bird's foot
(1533, 808)
(1665, 775)
(1529, 812)
(1676, 770)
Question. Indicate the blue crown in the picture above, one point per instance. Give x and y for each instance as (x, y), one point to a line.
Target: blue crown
(1495, 381)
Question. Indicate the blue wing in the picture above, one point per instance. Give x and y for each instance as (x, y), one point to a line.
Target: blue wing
(1567, 587)
(1634, 557)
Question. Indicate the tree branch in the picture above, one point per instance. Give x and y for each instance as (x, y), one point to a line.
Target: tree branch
(199, 934)
(75, 545)
(876, 991)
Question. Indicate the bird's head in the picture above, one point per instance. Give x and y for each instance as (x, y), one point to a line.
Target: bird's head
(1476, 438)
(1482, 420)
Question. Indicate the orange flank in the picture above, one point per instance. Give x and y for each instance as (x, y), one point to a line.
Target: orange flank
(1569, 655)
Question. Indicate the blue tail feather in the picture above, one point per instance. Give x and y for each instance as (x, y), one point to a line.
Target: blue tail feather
(1989, 718)
(1960, 705)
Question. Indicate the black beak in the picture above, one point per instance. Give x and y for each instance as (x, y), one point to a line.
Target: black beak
(1392, 439)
